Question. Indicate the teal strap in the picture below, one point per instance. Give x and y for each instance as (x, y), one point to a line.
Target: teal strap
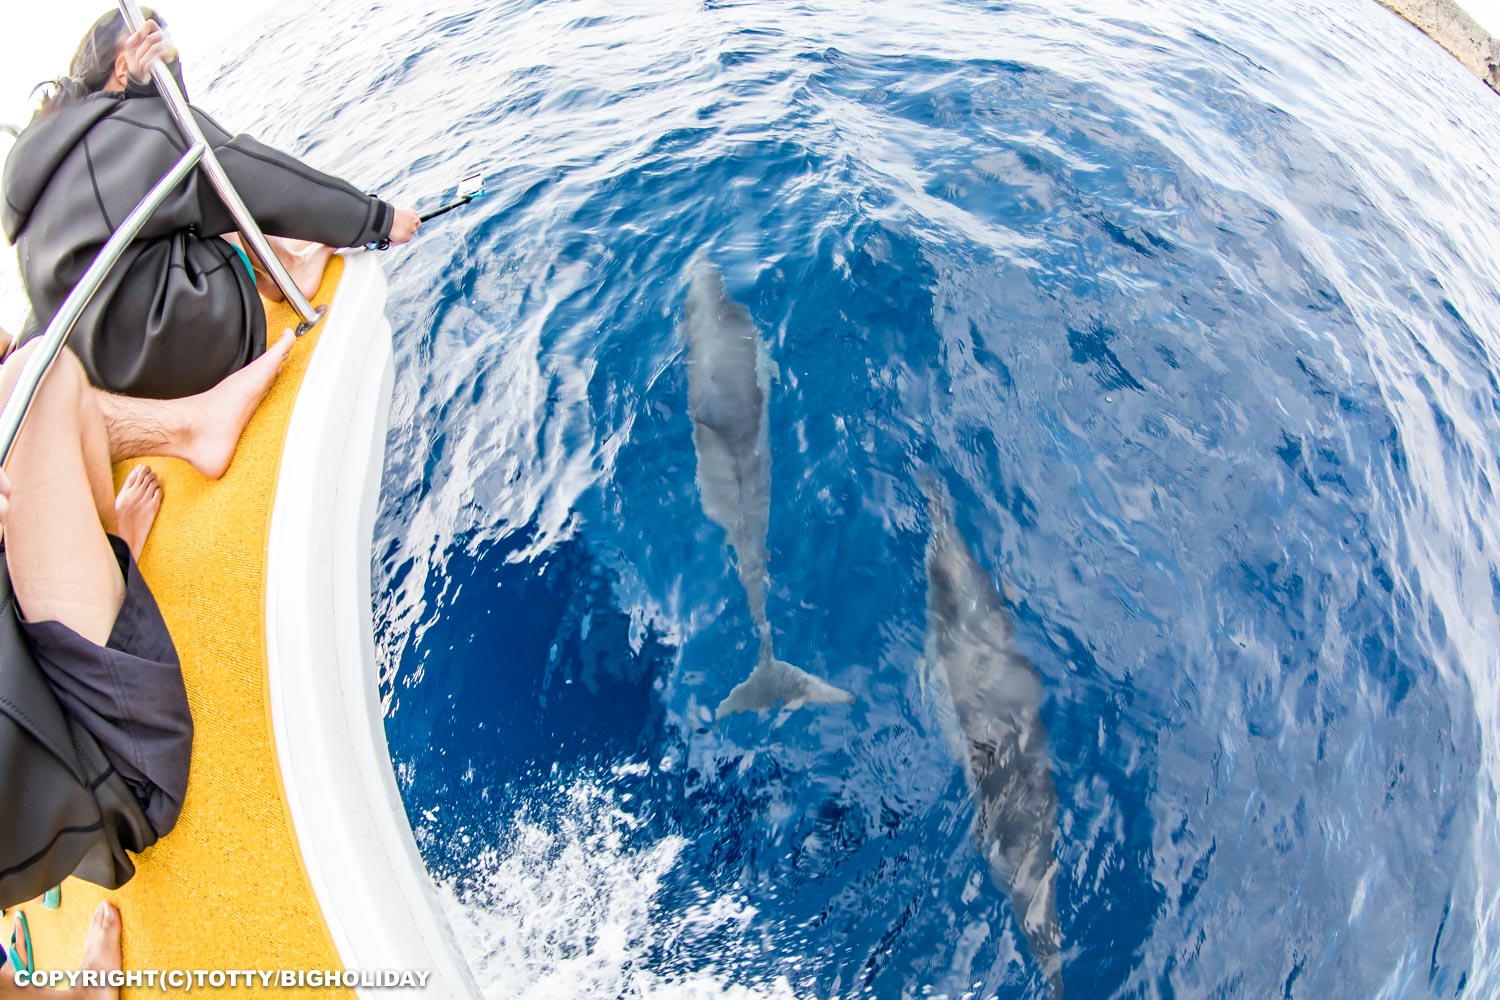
(15, 957)
(246, 258)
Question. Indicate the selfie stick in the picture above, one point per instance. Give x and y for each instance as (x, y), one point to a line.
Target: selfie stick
(469, 188)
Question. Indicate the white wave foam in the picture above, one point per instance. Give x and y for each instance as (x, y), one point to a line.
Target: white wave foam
(564, 907)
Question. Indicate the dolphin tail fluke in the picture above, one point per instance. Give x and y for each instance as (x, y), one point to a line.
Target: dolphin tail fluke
(1051, 965)
(1044, 937)
(775, 683)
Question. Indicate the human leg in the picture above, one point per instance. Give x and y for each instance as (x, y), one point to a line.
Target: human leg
(62, 503)
(202, 430)
(94, 628)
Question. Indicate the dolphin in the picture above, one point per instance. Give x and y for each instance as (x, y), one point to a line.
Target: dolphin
(728, 380)
(988, 698)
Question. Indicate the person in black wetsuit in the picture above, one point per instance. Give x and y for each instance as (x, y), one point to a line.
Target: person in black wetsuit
(180, 311)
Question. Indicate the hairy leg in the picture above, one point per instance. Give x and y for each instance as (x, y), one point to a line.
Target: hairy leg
(202, 430)
(62, 502)
(139, 427)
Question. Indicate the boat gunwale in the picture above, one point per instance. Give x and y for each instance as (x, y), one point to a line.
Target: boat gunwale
(378, 901)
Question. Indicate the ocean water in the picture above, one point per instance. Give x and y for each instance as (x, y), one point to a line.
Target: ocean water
(1191, 309)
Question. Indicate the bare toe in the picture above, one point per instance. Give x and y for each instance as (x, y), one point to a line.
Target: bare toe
(136, 507)
(101, 948)
(282, 349)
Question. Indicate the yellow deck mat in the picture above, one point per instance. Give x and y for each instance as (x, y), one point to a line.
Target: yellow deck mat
(226, 888)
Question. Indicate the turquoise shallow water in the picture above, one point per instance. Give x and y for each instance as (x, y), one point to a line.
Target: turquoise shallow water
(1191, 309)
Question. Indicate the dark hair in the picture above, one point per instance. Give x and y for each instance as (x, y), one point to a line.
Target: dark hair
(93, 64)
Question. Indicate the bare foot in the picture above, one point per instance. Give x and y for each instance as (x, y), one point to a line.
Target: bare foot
(308, 271)
(136, 507)
(101, 949)
(305, 263)
(219, 416)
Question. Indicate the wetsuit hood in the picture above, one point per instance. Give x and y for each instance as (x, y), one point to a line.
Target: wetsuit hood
(41, 149)
(178, 311)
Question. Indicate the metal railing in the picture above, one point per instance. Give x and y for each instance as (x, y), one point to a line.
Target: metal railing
(51, 343)
(166, 85)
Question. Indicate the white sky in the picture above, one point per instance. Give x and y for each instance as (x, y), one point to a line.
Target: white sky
(1486, 12)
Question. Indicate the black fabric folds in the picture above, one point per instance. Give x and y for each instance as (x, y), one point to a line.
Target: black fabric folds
(65, 807)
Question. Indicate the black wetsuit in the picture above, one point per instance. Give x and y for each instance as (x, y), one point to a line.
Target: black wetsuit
(179, 311)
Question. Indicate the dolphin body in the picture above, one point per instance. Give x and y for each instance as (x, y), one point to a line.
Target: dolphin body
(988, 697)
(728, 378)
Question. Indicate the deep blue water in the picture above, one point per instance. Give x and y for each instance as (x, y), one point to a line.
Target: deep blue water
(1192, 310)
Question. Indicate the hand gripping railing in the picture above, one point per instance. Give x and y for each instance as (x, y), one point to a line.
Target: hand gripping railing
(166, 85)
(50, 345)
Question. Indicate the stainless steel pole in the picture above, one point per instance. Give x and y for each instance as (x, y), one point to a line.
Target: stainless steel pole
(166, 85)
(51, 343)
